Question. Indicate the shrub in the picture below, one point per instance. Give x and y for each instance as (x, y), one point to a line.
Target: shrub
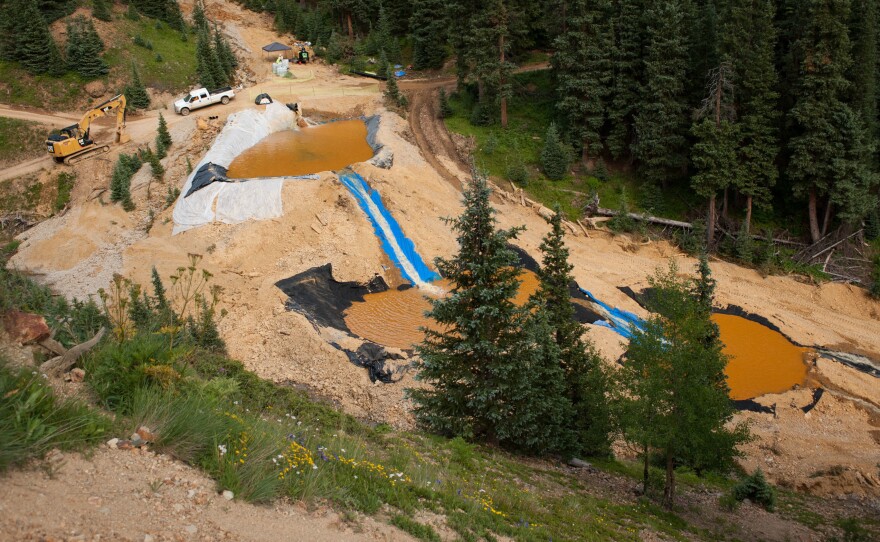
(601, 170)
(756, 488)
(64, 183)
(744, 247)
(392, 92)
(872, 225)
(622, 222)
(518, 172)
(491, 144)
(445, 110)
(101, 10)
(120, 181)
(481, 115)
(33, 420)
(651, 197)
(132, 13)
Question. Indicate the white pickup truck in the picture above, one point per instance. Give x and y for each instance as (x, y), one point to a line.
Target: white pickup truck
(201, 97)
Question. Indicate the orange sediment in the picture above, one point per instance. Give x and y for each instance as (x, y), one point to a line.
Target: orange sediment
(312, 149)
(761, 360)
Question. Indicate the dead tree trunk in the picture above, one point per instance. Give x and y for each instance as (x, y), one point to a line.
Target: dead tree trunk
(748, 222)
(815, 233)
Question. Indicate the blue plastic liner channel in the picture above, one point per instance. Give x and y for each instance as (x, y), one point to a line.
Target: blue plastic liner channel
(405, 247)
(621, 321)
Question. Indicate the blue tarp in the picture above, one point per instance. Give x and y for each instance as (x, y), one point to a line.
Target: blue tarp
(621, 321)
(399, 248)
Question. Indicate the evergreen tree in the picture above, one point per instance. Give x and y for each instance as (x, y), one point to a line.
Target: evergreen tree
(628, 61)
(200, 22)
(445, 110)
(589, 420)
(660, 121)
(101, 10)
(674, 396)
(555, 156)
(30, 42)
(208, 66)
(488, 51)
(224, 55)
(864, 22)
(84, 48)
(828, 152)
(749, 41)
(392, 92)
(584, 70)
(136, 93)
(120, 181)
(429, 33)
(163, 137)
(714, 153)
(478, 361)
(384, 37)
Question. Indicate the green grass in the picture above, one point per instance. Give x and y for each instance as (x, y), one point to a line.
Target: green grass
(175, 73)
(63, 185)
(413, 527)
(21, 140)
(33, 420)
(21, 194)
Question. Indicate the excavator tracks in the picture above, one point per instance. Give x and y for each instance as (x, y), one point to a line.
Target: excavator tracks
(90, 153)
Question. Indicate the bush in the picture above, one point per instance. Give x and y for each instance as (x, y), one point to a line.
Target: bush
(64, 183)
(622, 222)
(872, 225)
(132, 13)
(651, 197)
(33, 420)
(518, 173)
(101, 10)
(756, 488)
(481, 115)
(491, 144)
(120, 181)
(601, 170)
(744, 247)
(445, 110)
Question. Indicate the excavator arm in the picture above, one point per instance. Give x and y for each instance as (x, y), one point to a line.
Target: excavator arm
(117, 103)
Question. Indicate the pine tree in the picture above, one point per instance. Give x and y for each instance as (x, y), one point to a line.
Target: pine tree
(749, 38)
(629, 74)
(660, 121)
(444, 109)
(208, 66)
(829, 147)
(101, 10)
(392, 92)
(200, 22)
(589, 420)
(84, 48)
(864, 22)
(384, 37)
(34, 47)
(477, 361)
(223, 59)
(136, 93)
(674, 396)
(120, 181)
(584, 71)
(714, 153)
(430, 28)
(555, 156)
(163, 137)
(487, 54)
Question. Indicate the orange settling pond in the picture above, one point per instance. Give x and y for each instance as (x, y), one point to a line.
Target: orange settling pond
(312, 149)
(761, 360)
(393, 317)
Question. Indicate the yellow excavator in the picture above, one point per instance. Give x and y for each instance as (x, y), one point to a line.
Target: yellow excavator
(73, 144)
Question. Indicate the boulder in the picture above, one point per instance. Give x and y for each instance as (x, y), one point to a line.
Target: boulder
(96, 89)
(25, 328)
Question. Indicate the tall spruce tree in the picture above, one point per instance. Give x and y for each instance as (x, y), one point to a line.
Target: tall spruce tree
(583, 66)
(829, 140)
(674, 394)
(717, 136)
(477, 361)
(555, 155)
(136, 93)
(586, 382)
(30, 42)
(660, 123)
(488, 56)
(749, 39)
(864, 22)
(430, 27)
(628, 64)
(225, 57)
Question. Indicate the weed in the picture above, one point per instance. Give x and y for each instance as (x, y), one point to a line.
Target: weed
(756, 488)
(413, 527)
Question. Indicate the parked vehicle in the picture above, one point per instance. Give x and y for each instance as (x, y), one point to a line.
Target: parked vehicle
(202, 97)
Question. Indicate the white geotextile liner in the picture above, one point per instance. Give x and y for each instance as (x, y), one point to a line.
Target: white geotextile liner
(234, 202)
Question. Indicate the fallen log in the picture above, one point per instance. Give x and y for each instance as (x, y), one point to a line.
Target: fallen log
(646, 218)
(60, 364)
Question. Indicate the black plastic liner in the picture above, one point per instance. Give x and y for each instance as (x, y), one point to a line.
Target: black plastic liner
(322, 299)
(206, 175)
(372, 357)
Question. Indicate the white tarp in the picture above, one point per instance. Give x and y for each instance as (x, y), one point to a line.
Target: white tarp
(233, 202)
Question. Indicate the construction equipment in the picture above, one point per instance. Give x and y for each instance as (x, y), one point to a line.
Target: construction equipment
(74, 144)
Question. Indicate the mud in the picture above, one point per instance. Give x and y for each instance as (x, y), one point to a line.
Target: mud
(313, 149)
(762, 360)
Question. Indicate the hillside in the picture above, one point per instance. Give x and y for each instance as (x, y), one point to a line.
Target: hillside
(266, 397)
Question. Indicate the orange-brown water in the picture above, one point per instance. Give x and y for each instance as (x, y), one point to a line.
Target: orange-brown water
(308, 150)
(762, 360)
(393, 317)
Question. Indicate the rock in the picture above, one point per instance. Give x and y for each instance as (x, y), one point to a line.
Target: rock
(112, 443)
(579, 463)
(149, 538)
(124, 445)
(25, 328)
(191, 529)
(201, 123)
(145, 434)
(96, 89)
(228, 495)
(76, 375)
(384, 159)
(136, 440)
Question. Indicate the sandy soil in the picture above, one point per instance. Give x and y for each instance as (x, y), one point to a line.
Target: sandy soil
(322, 224)
(142, 496)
